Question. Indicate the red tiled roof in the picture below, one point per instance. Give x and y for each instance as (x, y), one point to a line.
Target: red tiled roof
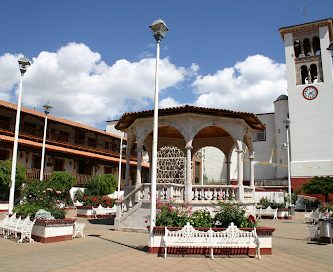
(12, 106)
(67, 150)
(251, 119)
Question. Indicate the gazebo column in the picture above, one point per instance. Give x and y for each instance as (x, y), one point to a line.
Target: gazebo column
(240, 154)
(251, 159)
(228, 163)
(188, 181)
(127, 170)
(138, 170)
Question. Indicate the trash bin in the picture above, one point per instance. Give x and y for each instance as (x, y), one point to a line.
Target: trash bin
(291, 210)
(325, 230)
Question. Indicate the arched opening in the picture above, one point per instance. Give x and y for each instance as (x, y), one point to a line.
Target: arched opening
(297, 48)
(212, 168)
(306, 47)
(304, 73)
(316, 45)
(314, 73)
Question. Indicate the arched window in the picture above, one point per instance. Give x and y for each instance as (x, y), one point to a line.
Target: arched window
(316, 45)
(304, 73)
(314, 73)
(297, 48)
(306, 46)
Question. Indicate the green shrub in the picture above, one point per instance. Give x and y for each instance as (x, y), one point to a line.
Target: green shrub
(319, 185)
(5, 182)
(61, 181)
(202, 219)
(101, 185)
(265, 202)
(228, 212)
(27, 208)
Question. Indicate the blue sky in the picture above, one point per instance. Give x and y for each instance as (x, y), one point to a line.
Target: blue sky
(94, 60)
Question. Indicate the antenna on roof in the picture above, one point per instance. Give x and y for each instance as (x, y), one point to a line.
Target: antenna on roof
(303, 10)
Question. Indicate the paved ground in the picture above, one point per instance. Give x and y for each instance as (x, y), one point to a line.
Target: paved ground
(107, 250)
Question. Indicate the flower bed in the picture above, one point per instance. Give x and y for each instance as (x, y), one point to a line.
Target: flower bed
(264, 234)
(50, 231)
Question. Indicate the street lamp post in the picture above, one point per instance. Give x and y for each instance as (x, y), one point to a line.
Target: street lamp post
(287, 124)
(47, 108)
(159, 29)
(24, 63)
(119, 167)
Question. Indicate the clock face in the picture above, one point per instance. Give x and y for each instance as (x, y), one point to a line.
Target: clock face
(310, 92)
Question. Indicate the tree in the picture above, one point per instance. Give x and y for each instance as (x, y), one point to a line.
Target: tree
(101, 185)
(61, 181)
(5, 173)
(319, 185)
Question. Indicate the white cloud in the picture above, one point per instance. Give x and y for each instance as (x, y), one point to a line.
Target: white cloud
(9, 75)
(168, 102)
(81, 87)
(251, 85)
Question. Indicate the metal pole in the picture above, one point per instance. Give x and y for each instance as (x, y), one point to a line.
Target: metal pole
(288, 158)
(119, 167)
(14, 159)
(43, 151)
(154, 149)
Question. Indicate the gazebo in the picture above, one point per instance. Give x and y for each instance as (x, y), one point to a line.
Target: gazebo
(182, 131)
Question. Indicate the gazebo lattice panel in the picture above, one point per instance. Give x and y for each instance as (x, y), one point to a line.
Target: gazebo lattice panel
(170, 165)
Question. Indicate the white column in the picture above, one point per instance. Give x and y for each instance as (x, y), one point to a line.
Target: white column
(188, 181)
(120, 162)
(240, 174)
(127, 170)
(41, 177)
(228, 170)
(251, 158)
(138, 166)
(15, 147)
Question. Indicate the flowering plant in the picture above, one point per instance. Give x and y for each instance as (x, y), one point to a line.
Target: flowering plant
(95, 201)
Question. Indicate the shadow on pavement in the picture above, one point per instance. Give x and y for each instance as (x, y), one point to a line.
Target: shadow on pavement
(139, 247)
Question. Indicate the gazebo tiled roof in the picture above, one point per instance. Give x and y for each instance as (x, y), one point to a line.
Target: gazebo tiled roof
(251, 119)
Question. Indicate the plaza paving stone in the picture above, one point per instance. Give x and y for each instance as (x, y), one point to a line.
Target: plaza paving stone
(107, 250)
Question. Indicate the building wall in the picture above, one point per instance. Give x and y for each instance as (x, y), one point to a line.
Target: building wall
(311, 123)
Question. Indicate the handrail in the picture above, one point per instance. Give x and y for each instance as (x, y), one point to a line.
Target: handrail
(131, 193)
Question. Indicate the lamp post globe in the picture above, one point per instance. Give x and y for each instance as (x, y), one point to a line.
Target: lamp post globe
(24, 64)
(159, 30)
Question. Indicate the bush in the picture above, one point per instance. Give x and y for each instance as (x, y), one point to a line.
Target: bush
(319, 185)
(265, 202)
(5, 173)
(201, 219)
(61, 181)
(101, 185)
(37, 195)
(228, 212)
(171, 214)
(105, 201)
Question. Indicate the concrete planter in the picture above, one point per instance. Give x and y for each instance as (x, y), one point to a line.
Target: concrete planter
(264, 234)
(50, 231)
(283, 214)
(4, 206)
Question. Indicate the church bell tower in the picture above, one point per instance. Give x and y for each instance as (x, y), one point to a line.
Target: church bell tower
(308, 52)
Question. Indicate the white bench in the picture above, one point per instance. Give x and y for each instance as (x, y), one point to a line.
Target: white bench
(232, 237)
(100, 210)
(266, 212)
(12, 226)
(78, 229)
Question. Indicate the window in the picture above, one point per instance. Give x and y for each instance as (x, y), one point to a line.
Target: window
(79, 137)
(36, 161)
(92, 142)
(260, 136)
(314, 73)
(304, 73)
(4, 122)
(106, 145)
(4, 155)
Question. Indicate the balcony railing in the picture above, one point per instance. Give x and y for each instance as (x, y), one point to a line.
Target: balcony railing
(34, 174)
(271, 183)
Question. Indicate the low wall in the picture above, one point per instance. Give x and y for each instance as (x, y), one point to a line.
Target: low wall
(4, 206)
